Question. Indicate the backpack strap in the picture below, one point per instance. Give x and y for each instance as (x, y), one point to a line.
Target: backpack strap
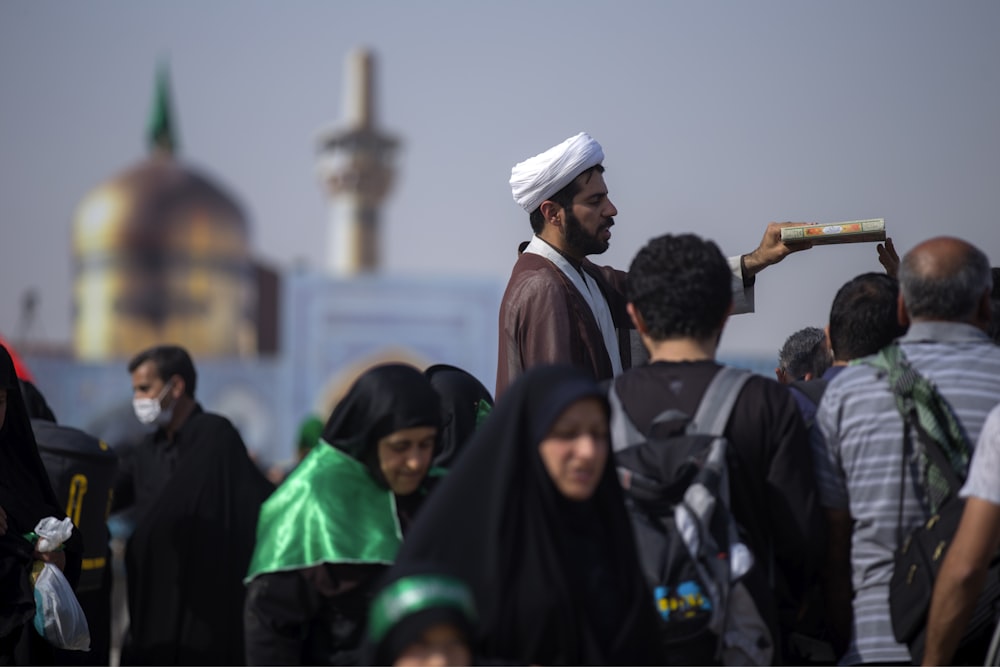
(717, 403)
(713, 411)
(624, 432)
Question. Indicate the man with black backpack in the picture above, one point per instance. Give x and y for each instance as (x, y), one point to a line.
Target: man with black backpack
(876, 476)
(679, 300)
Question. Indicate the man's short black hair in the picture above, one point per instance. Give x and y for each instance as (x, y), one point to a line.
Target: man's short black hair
(682, 287)
(169, 360)
(863, 317)
(564, 197)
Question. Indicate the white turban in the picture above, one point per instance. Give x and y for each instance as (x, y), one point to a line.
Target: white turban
(538, 178)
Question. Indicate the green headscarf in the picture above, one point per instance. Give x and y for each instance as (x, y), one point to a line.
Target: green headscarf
(335, 507)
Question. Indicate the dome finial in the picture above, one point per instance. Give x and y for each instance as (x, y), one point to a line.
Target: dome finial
(161, 133)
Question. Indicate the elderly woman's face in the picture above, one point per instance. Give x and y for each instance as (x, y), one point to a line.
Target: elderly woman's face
(576, 449)
(405, 457)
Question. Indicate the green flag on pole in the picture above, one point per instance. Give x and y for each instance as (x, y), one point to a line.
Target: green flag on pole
(161, 133)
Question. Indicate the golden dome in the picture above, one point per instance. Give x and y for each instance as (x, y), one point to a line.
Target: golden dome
(162, 254)
(159, 204)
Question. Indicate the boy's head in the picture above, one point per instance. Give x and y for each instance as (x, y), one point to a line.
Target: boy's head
(424, 618)
(681, 286)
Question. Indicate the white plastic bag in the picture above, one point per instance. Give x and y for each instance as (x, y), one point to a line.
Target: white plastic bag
(52, 532)
(58, 615)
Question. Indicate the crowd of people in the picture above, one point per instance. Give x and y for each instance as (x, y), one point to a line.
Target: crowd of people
(427, 524)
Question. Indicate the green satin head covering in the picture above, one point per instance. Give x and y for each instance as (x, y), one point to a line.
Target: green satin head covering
(335, 506)
(298, 524)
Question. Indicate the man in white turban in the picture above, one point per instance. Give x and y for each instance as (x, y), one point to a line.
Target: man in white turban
(559, 307)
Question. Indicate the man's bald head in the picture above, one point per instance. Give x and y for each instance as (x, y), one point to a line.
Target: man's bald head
(944, 279)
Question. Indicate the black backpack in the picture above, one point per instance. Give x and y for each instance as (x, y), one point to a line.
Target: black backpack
(677, 491)
(82, 471)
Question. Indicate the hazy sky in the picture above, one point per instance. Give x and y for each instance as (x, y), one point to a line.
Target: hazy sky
(715, 117)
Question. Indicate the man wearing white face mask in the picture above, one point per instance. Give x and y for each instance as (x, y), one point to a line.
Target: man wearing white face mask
(151, 410)
(197, 495)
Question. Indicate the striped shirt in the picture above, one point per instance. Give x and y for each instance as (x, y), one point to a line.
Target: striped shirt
(984, 471)
(863, 466)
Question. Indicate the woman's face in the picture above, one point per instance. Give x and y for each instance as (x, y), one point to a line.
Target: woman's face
(576, 449)
(405, 456)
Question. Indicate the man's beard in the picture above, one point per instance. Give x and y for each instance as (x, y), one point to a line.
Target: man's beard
(580, 241)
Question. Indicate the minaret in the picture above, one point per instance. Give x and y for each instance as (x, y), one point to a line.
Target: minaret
(355, 163)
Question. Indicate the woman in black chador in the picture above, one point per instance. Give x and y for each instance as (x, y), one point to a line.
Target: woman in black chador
(336, 523)
(533, 518)
(26, 497)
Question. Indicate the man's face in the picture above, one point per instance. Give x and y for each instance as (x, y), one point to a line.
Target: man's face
(146, 382)
(588, 222)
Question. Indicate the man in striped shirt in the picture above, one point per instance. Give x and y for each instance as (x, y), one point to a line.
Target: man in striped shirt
(944, 297)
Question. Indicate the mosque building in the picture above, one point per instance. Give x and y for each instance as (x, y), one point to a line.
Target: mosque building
(164, 254)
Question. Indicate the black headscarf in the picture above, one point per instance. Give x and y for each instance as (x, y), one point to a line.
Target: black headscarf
(385, 399)
(26, 496)
(462, 398)
(556, 582)
(34, 401)
(25, 491)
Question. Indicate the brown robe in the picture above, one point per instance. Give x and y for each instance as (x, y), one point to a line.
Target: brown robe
(545, 319)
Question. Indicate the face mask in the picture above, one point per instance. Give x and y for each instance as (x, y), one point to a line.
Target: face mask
(150, 411)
